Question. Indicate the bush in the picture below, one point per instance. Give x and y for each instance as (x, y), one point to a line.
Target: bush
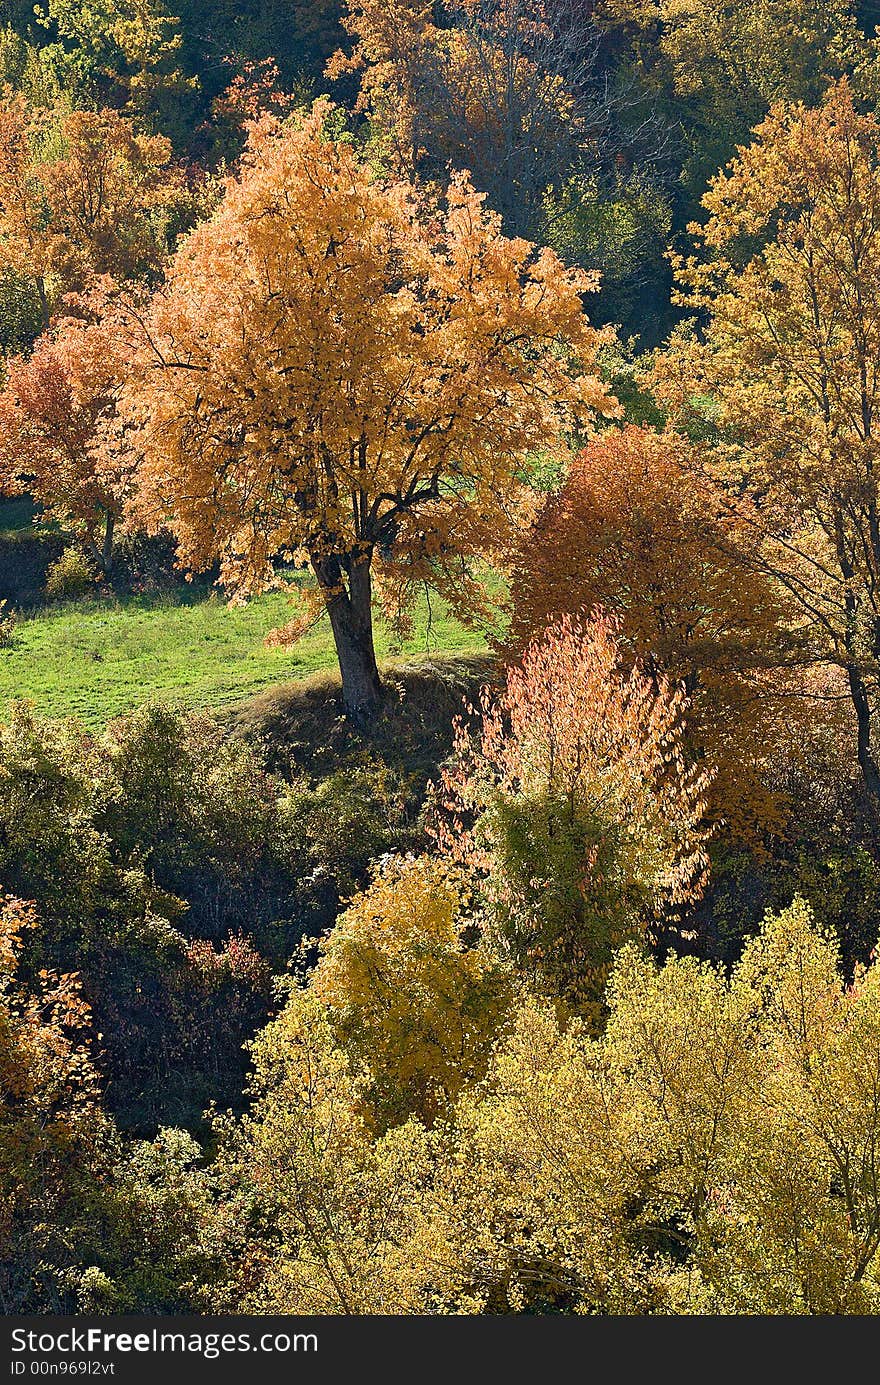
(339, 825)
(712, 1152)
(105, 917)
(7, 625)
(70, 576)
(167, 863)
(576, 810)
(411, 998)
(147, 563)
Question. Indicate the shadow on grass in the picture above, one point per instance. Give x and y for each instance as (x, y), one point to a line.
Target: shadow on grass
(303, 729)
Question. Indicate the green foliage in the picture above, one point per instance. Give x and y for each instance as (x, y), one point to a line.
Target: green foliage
(157, 1239)
(199, 814)
(839, 880)
(625, 373)
(166, 864)
(299, 35)
(714, 69)
(352, 816)
(623, 232)
(113, 52)
(575, 885)
(21, 314)
(86, 1222)
(106, 917)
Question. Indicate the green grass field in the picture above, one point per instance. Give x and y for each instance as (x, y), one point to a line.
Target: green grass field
(97, 659)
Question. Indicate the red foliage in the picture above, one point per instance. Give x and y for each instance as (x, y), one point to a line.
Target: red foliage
(636, 531)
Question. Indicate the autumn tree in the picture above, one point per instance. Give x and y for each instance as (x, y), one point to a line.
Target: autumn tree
(52, 408)
(575, 803)
(53, 1135)
(317, 1214)
(516, 92)
(117, 53)
(712, 1151)
(409, 997)
(636, 531)
(788, 279)
(82, 194)
(334, 376)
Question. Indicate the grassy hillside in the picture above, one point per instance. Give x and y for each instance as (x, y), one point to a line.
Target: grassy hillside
(299, 727)
(99, 658)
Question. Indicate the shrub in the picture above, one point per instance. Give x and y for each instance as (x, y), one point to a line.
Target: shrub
(167, 863)
(70, 576)
(413, 1000)
(104, 916)
(576, 808)
(713, 1152)
(8, 623)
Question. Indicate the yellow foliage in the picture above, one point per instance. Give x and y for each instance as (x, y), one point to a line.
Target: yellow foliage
(764, 49)
(712, 1152)
(790, 280)
(406, 996)
(348, 1233)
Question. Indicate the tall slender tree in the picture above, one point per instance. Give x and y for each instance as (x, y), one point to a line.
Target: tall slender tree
(790, 283)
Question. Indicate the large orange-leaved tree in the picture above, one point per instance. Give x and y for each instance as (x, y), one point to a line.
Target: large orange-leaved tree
(338, 375)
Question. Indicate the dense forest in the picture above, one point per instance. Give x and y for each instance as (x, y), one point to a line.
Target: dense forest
(522, 358)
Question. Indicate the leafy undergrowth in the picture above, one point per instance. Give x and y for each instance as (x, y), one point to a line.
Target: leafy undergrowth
(100, 658)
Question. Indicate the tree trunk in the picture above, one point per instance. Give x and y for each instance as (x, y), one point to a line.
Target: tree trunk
(867, 763)
(107, 547)
(102, 554)
(351, 619)
(44, 304)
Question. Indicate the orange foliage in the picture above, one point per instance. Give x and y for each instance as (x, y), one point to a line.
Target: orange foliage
(577, 805)
(252, 92)
(789, 280)
(40, 1060)
(636, 531)
(334, 376)
(52, 411)
(97, 207)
